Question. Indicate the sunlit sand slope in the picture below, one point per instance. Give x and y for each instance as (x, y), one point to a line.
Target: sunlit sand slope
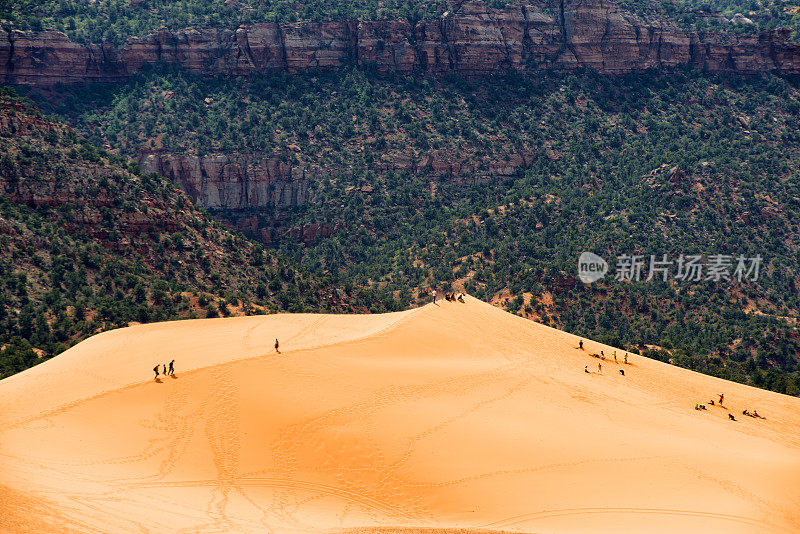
(449, 418)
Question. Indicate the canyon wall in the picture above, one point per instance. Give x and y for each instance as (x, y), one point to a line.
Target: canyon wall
(243, 183)
(470, 40)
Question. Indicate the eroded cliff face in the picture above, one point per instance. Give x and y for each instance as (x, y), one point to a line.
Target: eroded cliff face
(470, 39)
(249, 193)
(244, 183)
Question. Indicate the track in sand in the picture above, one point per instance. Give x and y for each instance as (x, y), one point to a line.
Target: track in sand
(451, 418)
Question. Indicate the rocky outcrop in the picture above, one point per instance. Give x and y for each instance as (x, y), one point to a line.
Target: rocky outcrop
(470, 40)
(245, 183)
(248, 193)
(235, 182)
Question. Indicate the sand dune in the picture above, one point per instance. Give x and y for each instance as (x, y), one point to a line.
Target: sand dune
(445, 419)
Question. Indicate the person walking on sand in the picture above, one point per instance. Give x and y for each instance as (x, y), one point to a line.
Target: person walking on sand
(155, 370)
(626, 358)
(580, 344)
(172, 368)
(600, 368)
(277, 345)
(165, 369)
(433, 292)
(721, 398)
(615, 356)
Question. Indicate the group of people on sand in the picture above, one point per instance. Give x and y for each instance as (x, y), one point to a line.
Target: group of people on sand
(719, 402)
(602, 356)
(170, 371)
(449, 297)
(167, 371)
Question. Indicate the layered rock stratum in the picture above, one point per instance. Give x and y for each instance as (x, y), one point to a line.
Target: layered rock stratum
(470, 39)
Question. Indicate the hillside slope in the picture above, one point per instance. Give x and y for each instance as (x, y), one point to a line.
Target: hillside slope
(455, 416)
(89, 243)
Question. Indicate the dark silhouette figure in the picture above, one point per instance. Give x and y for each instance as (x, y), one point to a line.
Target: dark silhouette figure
(277, 345)
(622, 372)
(580, 344)
(721, 398)
(155, 370)
(434, 296)
(586, 369)
(745, 412)
(711, 402)
(461, 298)
(626, 357)
(731, 417)
(165, 369)
(171, 368)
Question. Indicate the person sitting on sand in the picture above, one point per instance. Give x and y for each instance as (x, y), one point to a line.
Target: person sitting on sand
(711, 402)
(731, 417)
(745, 412)
(461, 298)
(602, 355)
(622, 372)
(586, 369)
(755, 414)
(702, 406)
(155, 369)
(696, 406)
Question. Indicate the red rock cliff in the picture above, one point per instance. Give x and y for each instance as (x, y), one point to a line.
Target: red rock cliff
(470, 39)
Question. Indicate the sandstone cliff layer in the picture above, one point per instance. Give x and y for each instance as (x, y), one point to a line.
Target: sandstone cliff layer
(470, 40)
(246, 183)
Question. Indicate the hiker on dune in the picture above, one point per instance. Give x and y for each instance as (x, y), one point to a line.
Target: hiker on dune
(277, 345)
(172, 368)
(433, 292)
(155, 370)
(721, 398)
(580, 344)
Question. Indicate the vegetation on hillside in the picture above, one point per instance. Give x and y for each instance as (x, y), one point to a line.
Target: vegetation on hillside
(671, 163)
(116, 21)
(88, 243)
